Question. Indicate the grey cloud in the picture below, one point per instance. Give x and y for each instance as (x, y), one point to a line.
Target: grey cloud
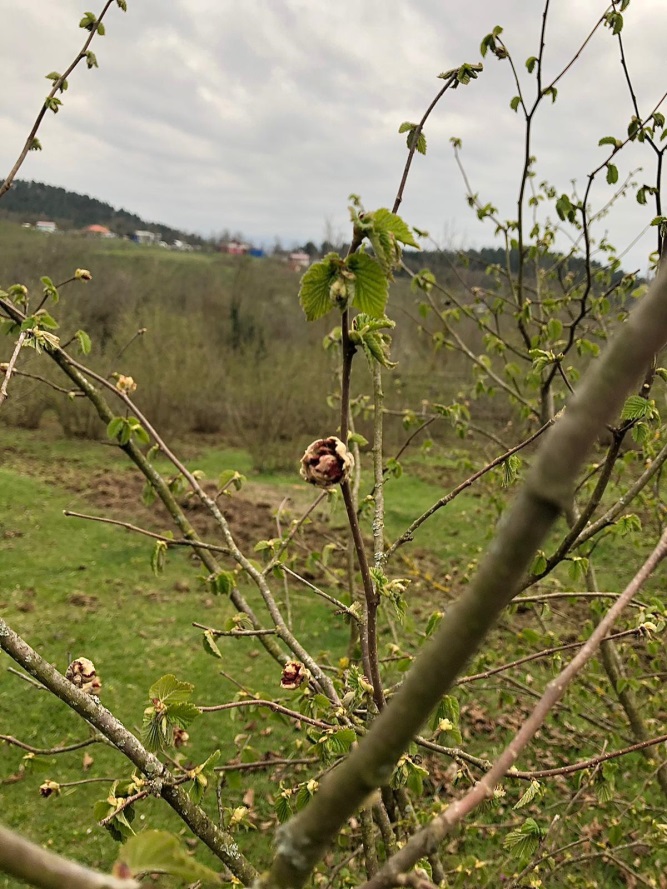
(263, 116)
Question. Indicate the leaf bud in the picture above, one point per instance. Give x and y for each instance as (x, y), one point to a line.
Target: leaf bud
(83, 275)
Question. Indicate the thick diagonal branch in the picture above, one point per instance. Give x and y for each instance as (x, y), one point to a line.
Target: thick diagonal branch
(546, 492)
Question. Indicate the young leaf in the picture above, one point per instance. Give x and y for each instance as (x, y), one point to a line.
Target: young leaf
(535, 789)
(210, 645)
(371, 288)
(388, 221)
(182, 713)
(314, 293)
(635, 408)
(83, 339)
(223, 583)
(171, 690)
(161, 852)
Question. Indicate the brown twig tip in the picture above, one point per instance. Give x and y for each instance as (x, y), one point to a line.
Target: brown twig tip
(294, 675)
(326, 462)
(83, 675)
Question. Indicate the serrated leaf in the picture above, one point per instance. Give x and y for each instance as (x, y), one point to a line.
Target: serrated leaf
(314, 292)
(159, 851)
(534, 790)
(282, 809)
(523, 841)
(171, 690)
(635, 408)
(153, 731)
(339, 742)
(389, 221)
(182, 713)
(223, 583)
(371, 288)
(210, 645)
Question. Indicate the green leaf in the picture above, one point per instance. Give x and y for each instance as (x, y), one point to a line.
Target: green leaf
(357, 438)
(88, 21)
(122, 4)
(210, 645)
(515, 102)
(223, 583)
(182, 713)
(371, 288)
(116, 427)
(282, 808)
(83, 339)
(230, 477)
(315, 290)
(171, 690)
(157, 851)
(612, 174)
(635, 408)
(534, 790)
(390, 222)
(523, 841)
(530, 64)
(339, 742)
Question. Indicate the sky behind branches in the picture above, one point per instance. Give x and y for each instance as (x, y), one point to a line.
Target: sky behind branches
(262, 116)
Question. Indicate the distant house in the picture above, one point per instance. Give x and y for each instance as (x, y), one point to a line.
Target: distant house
(45, 226)
(234, 248)
(98, 231)
(146, 237)
(298, 261)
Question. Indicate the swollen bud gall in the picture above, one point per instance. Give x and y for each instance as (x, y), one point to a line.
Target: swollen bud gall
(83, 675)
(326, 462)
(294, 675)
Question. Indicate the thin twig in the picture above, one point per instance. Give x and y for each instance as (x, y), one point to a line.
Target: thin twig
(271, 705)
(50, 751)
(7, 184)
(9, 368)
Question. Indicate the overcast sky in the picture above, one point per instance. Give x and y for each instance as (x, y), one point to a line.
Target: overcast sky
(261, 116)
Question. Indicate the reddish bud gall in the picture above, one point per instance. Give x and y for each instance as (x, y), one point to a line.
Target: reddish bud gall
(326, 462)
(181, 737)
(82, 674)
(294, 675)
(48, 788)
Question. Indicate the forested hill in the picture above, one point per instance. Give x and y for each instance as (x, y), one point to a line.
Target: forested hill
(30, 201)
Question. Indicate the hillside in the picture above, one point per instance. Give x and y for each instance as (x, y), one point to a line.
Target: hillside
(28, 201)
